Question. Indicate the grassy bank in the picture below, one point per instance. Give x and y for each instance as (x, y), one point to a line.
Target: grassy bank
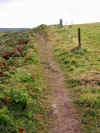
(23, 106)
(82, 69)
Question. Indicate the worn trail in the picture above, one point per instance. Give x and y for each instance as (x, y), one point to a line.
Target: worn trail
(65, 114)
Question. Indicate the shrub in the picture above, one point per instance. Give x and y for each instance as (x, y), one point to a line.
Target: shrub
(6, 124)
(18, 99)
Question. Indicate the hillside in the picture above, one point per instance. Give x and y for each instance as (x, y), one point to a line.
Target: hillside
(22, 89)
(47, 83)
(81, 69)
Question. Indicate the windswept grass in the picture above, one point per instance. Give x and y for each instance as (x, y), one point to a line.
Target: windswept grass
(23, 106)
(82, 70)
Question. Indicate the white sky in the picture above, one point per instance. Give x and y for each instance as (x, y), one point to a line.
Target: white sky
(30, 13)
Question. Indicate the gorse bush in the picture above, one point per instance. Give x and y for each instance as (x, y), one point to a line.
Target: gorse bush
(6, 124)
(40, 28)
(18, 99)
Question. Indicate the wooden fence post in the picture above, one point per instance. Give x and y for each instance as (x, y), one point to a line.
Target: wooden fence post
(79, 38)
(61, 22)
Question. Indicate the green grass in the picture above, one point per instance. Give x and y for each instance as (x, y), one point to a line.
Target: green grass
(81, 69)
(22, 89)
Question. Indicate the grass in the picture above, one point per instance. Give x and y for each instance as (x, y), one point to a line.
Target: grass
(23, 102)
(81, 69)
(23, 106)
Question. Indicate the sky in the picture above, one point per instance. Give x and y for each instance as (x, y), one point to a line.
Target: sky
(31, 13)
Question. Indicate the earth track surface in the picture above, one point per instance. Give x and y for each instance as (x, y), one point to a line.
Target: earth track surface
(62, 108)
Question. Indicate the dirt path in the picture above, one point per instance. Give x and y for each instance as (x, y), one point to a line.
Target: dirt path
(66, 116)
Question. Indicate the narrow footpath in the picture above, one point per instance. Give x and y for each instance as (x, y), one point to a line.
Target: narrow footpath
(65, 114)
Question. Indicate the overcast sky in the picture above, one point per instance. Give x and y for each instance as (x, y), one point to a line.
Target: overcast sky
(30, 13)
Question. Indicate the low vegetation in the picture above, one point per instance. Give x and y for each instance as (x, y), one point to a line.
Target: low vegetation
(81, 69)
(23, 102)
(22, 89)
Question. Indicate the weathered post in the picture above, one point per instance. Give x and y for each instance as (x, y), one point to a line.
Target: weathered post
(79, 38)
(61, 22)
(70, 26)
